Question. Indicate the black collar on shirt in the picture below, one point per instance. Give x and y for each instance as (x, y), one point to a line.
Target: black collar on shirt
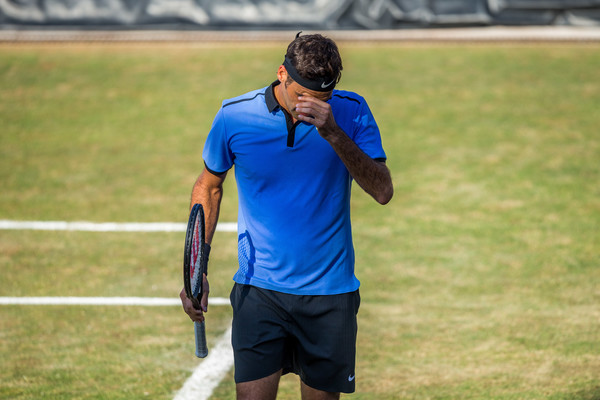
(272, 103)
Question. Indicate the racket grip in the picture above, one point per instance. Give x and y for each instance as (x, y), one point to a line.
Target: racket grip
(201, 348)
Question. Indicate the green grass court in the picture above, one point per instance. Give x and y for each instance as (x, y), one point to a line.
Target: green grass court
(480, 280)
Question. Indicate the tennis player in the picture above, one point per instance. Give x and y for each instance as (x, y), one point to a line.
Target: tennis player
(296, 145)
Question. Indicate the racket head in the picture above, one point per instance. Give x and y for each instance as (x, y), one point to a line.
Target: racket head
(194, 256)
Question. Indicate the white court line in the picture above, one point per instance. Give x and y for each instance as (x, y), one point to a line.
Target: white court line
(210, 372)
(104, 301)
(107, 226)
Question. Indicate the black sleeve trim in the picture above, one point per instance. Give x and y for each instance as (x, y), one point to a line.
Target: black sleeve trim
(215, 172)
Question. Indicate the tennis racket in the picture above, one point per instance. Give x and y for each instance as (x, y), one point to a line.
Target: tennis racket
(195, 259)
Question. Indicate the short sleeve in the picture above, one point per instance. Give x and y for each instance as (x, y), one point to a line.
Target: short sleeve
(366, 133)
(217, 154)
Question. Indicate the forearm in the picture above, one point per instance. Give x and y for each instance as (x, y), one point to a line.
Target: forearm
(372, 176)
(208, 191)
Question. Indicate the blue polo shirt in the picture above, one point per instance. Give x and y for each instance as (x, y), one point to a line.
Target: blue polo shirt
(294, 231)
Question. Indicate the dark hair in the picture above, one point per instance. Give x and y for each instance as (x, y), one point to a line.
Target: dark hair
(315, 56)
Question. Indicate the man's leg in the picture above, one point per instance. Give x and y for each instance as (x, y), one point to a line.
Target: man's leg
(309, 393)
(260, 389)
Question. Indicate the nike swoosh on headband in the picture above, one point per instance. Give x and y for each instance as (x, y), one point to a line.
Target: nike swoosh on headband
(326, 85)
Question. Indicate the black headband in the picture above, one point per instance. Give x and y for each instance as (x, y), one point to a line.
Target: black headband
(318, 84)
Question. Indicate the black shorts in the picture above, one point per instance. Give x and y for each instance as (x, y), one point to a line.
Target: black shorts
(312, 336)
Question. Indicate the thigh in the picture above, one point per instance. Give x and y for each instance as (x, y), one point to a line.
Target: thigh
(309, 393)
(261, 389)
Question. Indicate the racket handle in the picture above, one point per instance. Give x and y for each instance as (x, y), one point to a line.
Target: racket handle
(201, 348)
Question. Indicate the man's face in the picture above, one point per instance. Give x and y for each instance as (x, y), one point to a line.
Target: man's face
(289, 93)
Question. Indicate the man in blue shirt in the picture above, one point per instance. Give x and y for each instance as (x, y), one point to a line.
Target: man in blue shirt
(296, 145)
